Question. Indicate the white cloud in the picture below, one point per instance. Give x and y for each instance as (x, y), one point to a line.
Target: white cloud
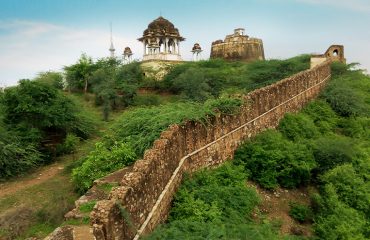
(356, 5)
(29, 47)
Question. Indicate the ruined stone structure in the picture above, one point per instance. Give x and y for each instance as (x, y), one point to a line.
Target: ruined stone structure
(144, 196)
(238, 46)
(335, 53)
(161, 41)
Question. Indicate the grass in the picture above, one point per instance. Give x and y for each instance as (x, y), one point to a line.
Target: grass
(87, 207)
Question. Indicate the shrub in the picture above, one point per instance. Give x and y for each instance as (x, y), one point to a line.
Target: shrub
(218, 194)
(334, 218)
(322, 115)
(300, 212)
(273, 160)
(298, 126)
(69, 144)
(350, 187)
(345, 101)
(333, 151)
(100, 162)
(16, 156)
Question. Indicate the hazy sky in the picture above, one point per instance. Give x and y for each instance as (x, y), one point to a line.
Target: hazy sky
(42, 35)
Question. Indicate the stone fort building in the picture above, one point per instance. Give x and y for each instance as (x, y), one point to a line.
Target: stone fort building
(238, 46)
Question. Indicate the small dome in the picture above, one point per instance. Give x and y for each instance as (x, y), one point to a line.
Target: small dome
(161, 27)
(127, 51)
(196, 47)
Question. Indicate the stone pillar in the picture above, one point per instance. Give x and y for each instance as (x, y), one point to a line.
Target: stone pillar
(178, 47)
(144, 44)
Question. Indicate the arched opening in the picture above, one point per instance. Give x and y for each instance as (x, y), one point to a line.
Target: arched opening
(335, 53)
(171, 46)
(161, 46)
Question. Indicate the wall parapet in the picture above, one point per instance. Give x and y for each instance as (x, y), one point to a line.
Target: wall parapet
(144, 196)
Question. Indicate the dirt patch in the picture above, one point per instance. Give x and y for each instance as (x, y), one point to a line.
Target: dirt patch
(275, 206)
(37, 177)
(14, 222)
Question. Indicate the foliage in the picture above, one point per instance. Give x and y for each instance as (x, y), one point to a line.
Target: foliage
(146, 100)
(267, 72)
(322, 115)
(87, 207)
(54, 79)
(205, 79)
(186, 229)
(335, 219)
(298, 126)
(273, 160)
(345, 93)
(16, 156)
(332, 151)
(69, 145)
(350, 186)
(141, 126)
(214, 204)
(78, 75)
(36, 117)
(100, 162)
(301, 213)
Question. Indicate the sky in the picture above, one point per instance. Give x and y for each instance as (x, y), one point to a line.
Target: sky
(46, 35)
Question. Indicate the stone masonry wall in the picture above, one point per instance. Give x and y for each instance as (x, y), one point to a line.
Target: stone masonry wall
(143, 199)
(251, 50)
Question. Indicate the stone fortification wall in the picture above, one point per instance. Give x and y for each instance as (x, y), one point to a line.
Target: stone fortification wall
(143, 200)
(250, 50)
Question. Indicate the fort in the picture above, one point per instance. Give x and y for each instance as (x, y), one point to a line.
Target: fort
(145, 190)
(142, 197)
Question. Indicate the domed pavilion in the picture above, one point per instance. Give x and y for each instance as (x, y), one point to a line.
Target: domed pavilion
(161, 41)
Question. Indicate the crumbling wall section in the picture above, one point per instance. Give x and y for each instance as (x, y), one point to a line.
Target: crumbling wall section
(143, 200)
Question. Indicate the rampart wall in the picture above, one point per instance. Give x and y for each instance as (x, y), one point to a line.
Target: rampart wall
(143, 200)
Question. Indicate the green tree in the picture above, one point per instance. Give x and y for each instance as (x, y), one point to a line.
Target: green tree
(78, 75)
(54, 79)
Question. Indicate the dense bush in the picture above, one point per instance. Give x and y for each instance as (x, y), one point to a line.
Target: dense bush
(298, 126)
(201, 80)
(332, 151)
(214, 204)
(336, 220)
(36, 117)
(301, 213)
(100, 162)
(322, 115)
(16, 156)
(273, 160)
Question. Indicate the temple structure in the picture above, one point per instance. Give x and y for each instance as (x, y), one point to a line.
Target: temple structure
(196, 50)
(161, 41)
(127, 55)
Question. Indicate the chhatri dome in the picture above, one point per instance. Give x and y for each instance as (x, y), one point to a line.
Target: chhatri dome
(161, 41)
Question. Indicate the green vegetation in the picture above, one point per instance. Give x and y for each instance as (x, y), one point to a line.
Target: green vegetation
(325, 145)
(300, 212)
(201, 80)
(136, 130)
(35, 120)
(87, 207)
